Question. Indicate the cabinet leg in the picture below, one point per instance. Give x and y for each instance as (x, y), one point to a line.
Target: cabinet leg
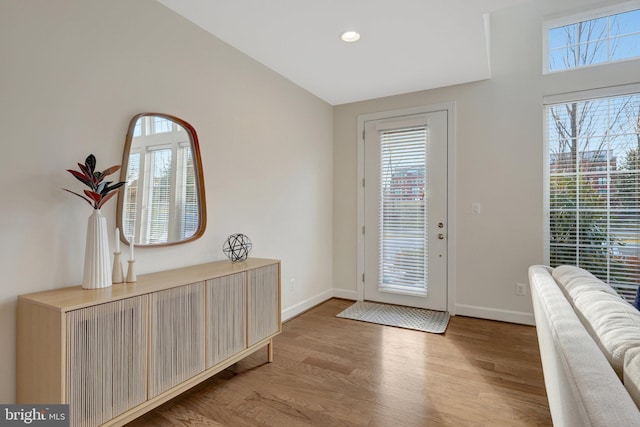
(270, 351)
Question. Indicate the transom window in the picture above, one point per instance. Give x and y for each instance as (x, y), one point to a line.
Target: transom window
(602, 36)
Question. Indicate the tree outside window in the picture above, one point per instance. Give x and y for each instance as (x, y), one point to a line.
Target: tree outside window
(594, 168)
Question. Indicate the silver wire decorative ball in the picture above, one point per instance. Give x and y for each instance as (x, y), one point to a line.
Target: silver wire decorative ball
(237, 247)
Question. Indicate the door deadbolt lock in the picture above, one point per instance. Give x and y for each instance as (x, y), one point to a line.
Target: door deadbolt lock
(440, 225)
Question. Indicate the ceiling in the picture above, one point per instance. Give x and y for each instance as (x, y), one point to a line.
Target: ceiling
(405, 45)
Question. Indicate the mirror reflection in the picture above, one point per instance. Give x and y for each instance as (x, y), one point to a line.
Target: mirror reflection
(163, 200)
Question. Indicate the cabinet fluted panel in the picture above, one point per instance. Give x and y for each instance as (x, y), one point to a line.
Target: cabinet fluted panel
(226, 317)
(106, 360)
(114, 354)
(263, 302)
(177, 336)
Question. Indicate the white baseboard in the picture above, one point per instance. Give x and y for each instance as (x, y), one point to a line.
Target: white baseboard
(302, 306)
(345, 294)
(520, 317)
(305, 305)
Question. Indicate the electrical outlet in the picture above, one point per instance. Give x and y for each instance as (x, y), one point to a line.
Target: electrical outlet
(292, 284)
(521, 289)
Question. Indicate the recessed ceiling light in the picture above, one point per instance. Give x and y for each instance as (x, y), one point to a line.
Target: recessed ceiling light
(350, 36)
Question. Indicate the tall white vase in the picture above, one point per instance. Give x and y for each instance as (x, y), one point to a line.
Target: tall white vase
(97, 261)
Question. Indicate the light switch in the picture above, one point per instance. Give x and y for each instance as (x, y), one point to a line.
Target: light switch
(475, 208)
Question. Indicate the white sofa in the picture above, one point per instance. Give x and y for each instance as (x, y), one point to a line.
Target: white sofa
(589, 342)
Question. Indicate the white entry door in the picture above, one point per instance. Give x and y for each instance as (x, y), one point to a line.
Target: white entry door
(405, 210)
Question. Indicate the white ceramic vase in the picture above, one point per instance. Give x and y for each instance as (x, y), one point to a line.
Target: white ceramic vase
(97, 261)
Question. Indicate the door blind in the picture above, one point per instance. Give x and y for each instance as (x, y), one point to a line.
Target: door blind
(402, 209)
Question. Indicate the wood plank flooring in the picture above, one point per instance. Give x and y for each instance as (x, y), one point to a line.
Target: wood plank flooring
(337, 372)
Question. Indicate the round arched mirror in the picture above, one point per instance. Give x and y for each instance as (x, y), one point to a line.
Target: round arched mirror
(163, 202)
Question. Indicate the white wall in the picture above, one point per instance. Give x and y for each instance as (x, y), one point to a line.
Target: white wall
(74, 72)
(499, 163)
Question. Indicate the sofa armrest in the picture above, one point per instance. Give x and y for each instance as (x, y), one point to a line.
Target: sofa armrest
(582, 387)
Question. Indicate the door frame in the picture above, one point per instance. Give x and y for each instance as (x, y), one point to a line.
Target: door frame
(450, 108)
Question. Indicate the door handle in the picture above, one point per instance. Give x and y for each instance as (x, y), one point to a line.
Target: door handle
(441, 236)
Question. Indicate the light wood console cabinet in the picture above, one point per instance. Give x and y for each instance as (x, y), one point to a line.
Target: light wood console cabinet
(113, 354)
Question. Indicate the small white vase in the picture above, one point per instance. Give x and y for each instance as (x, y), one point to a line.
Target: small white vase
(97, 261)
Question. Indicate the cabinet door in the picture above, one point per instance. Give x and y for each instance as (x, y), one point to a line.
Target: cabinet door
(263, 302)
(177, 336)
(106, 365)
(226, 317)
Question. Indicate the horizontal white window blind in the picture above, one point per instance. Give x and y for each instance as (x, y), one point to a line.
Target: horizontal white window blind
(159, 193)
(189, 198)
(593, 187)
(402, 208)
(131, 195)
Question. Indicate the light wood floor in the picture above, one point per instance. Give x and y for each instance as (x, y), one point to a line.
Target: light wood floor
(336, 372)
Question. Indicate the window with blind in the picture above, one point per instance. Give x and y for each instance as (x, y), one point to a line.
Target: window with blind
(131, 194)
(403, 248)
(159, 198)
(188, 216)
(593, 187)
(162, 185)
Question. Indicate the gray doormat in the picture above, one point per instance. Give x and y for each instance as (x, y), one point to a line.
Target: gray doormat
(418, 319)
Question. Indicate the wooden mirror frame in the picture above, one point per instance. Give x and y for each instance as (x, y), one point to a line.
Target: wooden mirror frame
(198, 172)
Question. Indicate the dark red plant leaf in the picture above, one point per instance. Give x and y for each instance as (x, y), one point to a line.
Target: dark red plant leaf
(105, 198)
(84, 170)
(79, 195)
(93, 195)
(80, 177)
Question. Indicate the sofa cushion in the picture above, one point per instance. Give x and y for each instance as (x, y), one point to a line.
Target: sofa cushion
(574, 280)
(613, 323)
(632, 374)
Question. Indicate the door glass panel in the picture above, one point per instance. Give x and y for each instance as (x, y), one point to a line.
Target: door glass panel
(403, 219)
